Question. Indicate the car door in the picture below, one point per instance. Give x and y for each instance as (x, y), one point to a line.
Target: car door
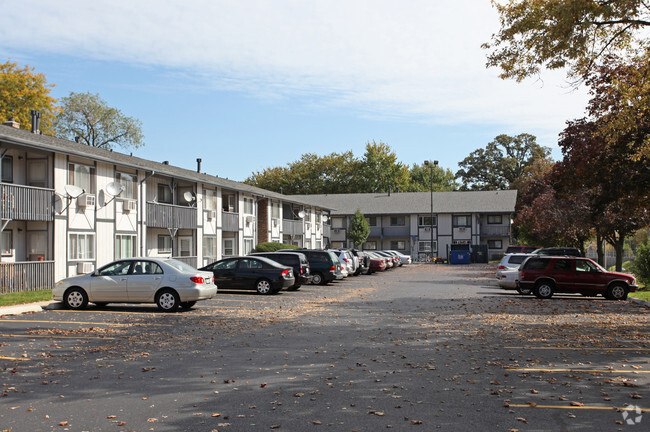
(562, 271)
(248, 272)
(144, 280)
(224, 272)
(110, 283)
(589, 277)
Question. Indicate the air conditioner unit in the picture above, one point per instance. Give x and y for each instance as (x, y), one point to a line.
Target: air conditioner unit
(130, 205)
(86, 200)
(85, 267)
(462, 229)
(212, 214)
(336, 230)
(427, 229)
(249, 219)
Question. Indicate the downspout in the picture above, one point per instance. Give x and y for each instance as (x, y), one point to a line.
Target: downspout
(142, 203)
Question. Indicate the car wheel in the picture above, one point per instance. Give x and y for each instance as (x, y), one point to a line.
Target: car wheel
(317, 279)
(263, 286)
(168, 300)
(544, 290)
(524, 291)
(187, 305)
(616, 292)
(75, 298)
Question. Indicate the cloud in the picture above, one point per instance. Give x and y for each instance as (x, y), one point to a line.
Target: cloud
(416, 60)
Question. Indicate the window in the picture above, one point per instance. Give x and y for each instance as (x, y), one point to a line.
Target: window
(209, 199)
(319, 245)
(164, 244)
(228, 247)
(398, 244)
(275, 210)
(562, 265)
(495, 219)
(462, 221)
(248, 206)
(397, 221)
(371, 245)
(495, 244)
(372, 220)
(337, 222)
(125, 246)
(7, 243)
(164, 194)
(82, 176)
(425, 246)
(425, 221)
(228, 203)
(318, 218)
(116, 269)
(81, 246)
(248, 246)
(128, 181)
(36, 172)
(308, 243)
(36, 245)
(210, 247)
(586, 266)
(7, 169)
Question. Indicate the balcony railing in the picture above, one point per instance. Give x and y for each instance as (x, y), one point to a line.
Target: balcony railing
(27, 203)
(190, 260)
(292, 227)
(229, 221)
(170, 216)
(395, 232)
(26, 276)
(327, 230)
(496, 231)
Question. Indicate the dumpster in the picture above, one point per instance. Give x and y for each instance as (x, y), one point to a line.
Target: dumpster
(459, 257)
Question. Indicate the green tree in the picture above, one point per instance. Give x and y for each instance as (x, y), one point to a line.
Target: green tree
(556, 34)
(641, 266)
(420, 179)
(21, 91)
(502, 163)
(359, 229)
(379, 169)
(88, 117)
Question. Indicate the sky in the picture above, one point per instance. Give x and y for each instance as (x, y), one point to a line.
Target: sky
(247, 85)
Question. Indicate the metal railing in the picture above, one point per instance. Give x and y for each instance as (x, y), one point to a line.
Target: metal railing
(229, 221)
(498, 231)
(161, 215)
(292, 227)
(190, 260)
(26, 276)
(30, 203)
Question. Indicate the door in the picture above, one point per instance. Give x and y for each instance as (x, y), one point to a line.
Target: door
(224, 272)
(563, 272)
(143, 281)
(185, 246)
(589, 277)
(109, 285)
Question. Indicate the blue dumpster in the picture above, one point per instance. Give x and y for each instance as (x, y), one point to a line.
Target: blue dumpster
(459, 257)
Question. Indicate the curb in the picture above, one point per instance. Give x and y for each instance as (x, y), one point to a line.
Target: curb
(639, 301)
(29, 308)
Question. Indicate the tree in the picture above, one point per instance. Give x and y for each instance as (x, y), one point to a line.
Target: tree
(501, 163)
(88, 117)
(420, 179)
(21, 91)
(359, 229)
(379, 170)
(572, 34)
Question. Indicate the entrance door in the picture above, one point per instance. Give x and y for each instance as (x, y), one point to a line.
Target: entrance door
(185, 246)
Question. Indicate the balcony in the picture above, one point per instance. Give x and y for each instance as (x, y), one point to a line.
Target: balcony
(327, 229)
(189, 260)
(495, 231)
(395, 232)
(229, 221)
(26, 203)
(170, 216)
(338, 234)
(26, 276)
(292, 227)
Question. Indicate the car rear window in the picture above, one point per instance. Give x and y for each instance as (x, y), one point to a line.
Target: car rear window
(535, 264)
(517, 259)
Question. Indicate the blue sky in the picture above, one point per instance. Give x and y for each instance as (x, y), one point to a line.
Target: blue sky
(247, 85)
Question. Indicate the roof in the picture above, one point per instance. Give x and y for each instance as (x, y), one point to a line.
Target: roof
(406, 203)
(48, 143)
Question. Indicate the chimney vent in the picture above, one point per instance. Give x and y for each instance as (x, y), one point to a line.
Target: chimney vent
(36, 121)
(198, 165)
(12, 123)
(76, 139)
(165, 162)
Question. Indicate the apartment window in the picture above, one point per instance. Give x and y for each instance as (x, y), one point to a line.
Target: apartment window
(371, 245)
(248, 246)
(248, 206)
(425, 246)
(125, 246)
(209, 247)
(129, 182)
(228, 203)
(36, 172)
(209, 199)
(426, 221)
(164, 244)
(462, 221)
(495, 244)
(7, 243)
(7, 169)
(337, 222)
(81, 246)
(82, 176)
(318, 218)
(164, 194)
(372, 220)
(495, 219)
(398, 245)
(397, 221)
(36, 245)
(308, 243)
(318, 245)
(228, 247)
(275, 210)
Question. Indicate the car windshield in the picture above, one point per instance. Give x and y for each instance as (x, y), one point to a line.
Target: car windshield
(180, 266)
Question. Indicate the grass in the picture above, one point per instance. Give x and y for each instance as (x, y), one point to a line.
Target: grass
(11, 299)
(644, 294)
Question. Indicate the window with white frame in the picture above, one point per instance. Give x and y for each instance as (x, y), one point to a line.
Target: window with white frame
(398, 244)
(308, 243)
(318, 245)
(248, 206)
(495, 244)
(462, 221)
(164, 194)
(248, 246)
(337, 222)
(164, 244)
(371, 245)
(209, 247)
(228, 247)
(426, 221)
(425, 246)
(129, 181)
(229, 202)
(397, 221)
(209, 199)
(275, 210)
(81, 246)
(495, 219)
(318, 217)
(7, 169)
(125, 246)
(82, 176)
(7, 243)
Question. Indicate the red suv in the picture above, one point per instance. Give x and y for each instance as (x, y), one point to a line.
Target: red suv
(546, 275)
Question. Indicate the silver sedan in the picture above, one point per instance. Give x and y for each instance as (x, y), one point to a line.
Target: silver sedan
(168, 283)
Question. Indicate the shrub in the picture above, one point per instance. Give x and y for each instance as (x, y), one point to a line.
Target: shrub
(641, 266)
(272, 247)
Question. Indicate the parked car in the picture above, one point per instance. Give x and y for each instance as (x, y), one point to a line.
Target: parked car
(558, 251)
(363, 259)
(397, 262)
(251, 273)
(388, 260)
(546, 275)
(167, 282)
(296, 260)
(508, 279)
(405, 259)
(521, 249)
(510, 262)
(324, 264)
(376, 264)
(347, 261)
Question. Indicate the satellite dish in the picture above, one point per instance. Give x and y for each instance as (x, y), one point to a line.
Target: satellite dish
(325, 218)
(73, 191)
(189, 196)
(115, 188)
(301, 214)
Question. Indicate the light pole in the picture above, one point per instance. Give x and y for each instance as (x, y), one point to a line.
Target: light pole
(431, 164)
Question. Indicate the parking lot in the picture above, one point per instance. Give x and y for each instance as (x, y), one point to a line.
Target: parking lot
(421, 347)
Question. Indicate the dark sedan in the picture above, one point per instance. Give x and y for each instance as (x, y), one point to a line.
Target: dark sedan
(251, 273)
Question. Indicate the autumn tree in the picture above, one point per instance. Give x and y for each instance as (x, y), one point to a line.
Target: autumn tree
(359, 229)
(21, 91)
(501, 163)
(88, 117)
(571, 34)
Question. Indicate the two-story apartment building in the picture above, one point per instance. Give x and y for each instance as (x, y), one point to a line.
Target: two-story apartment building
(67, 208)
(405, 221)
